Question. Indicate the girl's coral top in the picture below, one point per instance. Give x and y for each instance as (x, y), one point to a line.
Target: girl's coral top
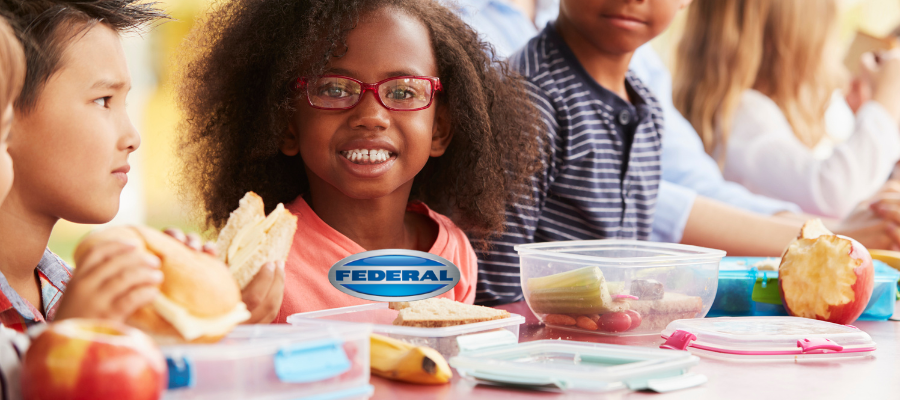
(317, 246)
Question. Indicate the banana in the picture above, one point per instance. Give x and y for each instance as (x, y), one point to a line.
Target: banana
(393, 359)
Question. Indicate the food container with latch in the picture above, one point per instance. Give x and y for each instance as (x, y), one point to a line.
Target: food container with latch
(561, 365)
(380, 318)
(274, 362)
(747, 288)
(617, 287)
(767, 339)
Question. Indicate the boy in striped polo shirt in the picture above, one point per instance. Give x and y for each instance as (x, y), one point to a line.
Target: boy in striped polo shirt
(601, 169)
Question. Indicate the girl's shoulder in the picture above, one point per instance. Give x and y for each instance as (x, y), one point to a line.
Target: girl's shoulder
(449, 235)
(757, 113)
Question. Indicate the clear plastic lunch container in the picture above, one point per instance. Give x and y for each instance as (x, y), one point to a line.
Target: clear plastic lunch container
(767, 339)
(591, 285)
(274, 362)
(746, 290)
(573, 366)
(380, 318)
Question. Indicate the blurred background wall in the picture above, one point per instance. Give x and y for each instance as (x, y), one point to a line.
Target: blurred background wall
(151, 196)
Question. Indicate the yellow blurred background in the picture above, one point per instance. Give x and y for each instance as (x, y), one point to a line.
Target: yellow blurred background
(151, 196)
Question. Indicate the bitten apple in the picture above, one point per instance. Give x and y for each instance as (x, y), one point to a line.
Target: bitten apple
(825, 276)
(93, 359)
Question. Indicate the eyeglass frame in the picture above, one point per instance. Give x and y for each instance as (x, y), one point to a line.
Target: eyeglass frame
(373, 87)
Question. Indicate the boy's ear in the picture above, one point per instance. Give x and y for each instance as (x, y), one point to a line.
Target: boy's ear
(440, 134)
(290, 143)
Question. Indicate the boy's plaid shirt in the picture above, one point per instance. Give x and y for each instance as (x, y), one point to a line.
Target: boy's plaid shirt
(16, 313)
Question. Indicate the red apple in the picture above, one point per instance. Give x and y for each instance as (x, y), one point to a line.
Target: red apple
(93, 359)
(825, 276)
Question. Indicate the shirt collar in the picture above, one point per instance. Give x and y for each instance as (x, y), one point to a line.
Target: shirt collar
(54, 276)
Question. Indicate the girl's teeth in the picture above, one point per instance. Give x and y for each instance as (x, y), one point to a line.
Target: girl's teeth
(367, 156)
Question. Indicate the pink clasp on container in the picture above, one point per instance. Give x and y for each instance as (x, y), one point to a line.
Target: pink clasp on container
(680, 340)
(818, 346)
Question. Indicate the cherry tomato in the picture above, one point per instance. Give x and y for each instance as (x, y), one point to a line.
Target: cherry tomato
(614, 322)
(635, 319)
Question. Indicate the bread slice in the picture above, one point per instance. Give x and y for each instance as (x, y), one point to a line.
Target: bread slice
(657, 314)
(669, 304)
(250, 239)
(440, 312)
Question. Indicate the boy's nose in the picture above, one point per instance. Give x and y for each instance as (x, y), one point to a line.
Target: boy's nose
(369, 113)
(130, 139)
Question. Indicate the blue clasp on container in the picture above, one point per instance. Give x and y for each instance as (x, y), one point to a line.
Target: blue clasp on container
(312, 361)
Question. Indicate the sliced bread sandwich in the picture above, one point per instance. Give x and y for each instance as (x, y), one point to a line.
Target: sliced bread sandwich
(250, 239)
(440, 312)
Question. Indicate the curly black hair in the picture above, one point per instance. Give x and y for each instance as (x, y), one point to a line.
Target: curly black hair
(237, 100)
(45, 27)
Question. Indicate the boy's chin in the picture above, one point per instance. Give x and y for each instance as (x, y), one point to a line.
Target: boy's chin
(93, 214)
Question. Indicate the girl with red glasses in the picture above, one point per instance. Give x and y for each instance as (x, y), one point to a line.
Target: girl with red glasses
(382, 124)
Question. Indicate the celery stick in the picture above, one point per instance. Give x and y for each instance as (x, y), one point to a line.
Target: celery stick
(592, 297)
(578, 277)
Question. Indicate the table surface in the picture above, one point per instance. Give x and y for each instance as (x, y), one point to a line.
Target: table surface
(875, 377)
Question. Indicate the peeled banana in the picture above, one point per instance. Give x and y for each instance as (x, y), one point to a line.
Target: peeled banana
(393, 359)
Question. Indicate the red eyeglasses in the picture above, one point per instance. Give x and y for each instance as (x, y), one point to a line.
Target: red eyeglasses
(402, 93)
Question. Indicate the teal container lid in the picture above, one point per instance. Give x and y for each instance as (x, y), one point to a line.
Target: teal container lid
(563, 365)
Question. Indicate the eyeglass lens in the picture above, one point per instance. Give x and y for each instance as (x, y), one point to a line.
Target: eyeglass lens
(400, 93)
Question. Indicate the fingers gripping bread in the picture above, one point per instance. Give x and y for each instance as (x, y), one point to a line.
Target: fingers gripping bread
(198, 300)
(250, 238)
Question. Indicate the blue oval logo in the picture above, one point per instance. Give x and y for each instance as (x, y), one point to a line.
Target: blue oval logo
(394, 275)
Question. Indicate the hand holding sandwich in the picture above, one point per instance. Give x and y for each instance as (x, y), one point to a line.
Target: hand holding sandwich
(262, 295)
(112, 282)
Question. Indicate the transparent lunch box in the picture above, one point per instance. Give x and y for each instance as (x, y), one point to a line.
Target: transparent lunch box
(274, 362)
(380, 318)
(589, 285)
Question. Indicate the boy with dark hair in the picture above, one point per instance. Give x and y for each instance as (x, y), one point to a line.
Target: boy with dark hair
(604, 127)
(71, 147)
(71, 138)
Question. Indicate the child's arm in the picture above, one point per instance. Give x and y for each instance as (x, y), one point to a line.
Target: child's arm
(112, 282)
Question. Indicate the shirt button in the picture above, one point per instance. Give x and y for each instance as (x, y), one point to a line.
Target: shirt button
(624, 117)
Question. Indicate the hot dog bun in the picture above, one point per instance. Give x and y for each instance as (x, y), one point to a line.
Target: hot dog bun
(199, 301)
(250, 238)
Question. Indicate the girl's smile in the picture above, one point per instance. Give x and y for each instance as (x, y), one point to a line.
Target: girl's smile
(370, 158)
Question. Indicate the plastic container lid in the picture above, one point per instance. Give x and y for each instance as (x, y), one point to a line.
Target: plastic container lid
(767, 338)
(569, 365)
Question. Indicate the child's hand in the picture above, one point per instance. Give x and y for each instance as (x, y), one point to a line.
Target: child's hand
(264, 293)
(193, 241)
(113, 281)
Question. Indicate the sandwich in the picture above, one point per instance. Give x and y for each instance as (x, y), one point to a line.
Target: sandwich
(440, 312)
(198, 301)
(656, 314)
(250, 239)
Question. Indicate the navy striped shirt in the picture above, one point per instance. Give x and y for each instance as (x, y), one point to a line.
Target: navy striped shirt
(602, 175)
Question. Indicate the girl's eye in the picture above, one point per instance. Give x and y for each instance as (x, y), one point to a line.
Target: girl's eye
(333, 92)
(103, 101)
(401, 93)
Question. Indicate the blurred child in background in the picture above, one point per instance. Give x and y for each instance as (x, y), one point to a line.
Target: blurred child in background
(757, 80)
